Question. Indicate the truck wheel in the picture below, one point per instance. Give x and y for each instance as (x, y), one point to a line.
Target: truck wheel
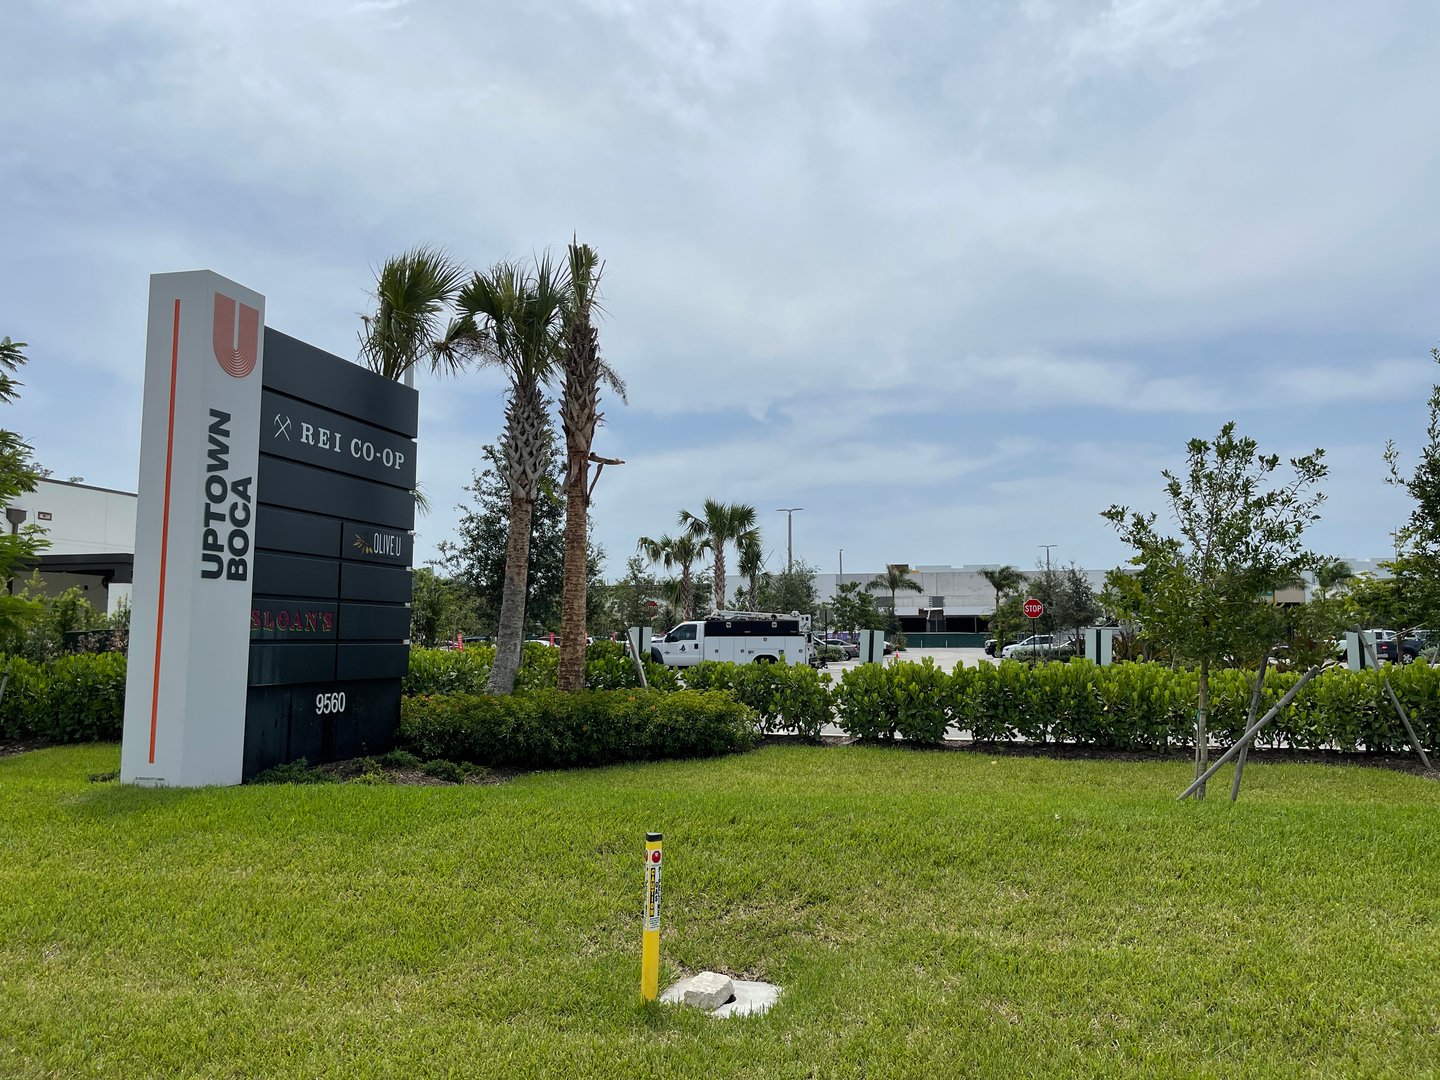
(656, 657)
(764, 659)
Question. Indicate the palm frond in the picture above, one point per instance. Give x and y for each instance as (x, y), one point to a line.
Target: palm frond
(413, 295)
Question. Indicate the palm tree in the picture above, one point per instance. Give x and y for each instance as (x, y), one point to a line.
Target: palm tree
(516, 313)
(413, 321)
(1003, 579)
(681, 551)
(580, 414)
(1331, 572)
(750, 563)
(896, 577)
(720, 524)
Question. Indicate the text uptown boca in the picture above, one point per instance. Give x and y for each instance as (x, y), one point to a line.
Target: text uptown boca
(226, 518)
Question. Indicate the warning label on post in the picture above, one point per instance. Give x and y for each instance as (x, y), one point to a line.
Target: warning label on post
(652, 890)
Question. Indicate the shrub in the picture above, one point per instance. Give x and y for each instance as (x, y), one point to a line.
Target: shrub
(1139, 704)
(79, 698)
(546, 729)
(452, 671)
(991, 700)
(449, 671)
(22, 706)
(923, 708)
(399, 759)
(785, 697)
(85, 698)
(864, 705)
(452, 772)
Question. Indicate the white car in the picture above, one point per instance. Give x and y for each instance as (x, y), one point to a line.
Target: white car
(1034, 645)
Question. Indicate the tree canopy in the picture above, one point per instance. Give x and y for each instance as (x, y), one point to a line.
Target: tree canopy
(1206, 592)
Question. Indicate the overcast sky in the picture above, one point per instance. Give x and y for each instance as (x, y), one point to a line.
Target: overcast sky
(952, 277)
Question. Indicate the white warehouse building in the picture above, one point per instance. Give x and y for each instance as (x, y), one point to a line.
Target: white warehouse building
(92, 538)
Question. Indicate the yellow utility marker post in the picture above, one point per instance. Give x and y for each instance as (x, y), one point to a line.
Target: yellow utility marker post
(650, 947)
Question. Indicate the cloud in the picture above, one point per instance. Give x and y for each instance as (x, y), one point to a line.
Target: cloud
(916, 267)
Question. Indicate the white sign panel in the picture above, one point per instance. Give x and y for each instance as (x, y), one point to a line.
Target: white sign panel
(194, 534)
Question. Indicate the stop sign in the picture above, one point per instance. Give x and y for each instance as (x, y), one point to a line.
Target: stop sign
(1033, 608)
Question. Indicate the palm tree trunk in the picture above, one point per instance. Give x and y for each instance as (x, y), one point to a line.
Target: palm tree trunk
(719, 577)
(570, 674)
(687, 594)
(510, 633)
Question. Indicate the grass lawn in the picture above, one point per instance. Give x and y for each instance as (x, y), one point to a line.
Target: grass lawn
(927, 913)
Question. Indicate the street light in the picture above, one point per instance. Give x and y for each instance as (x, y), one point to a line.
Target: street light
(15, 515)
(1049, 614)
(789, 512)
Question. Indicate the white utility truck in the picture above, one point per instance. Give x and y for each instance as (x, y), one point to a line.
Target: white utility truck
(740, 637)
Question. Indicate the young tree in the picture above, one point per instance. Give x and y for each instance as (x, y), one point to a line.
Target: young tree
(719, 524)
(476, 558)
(1418, 541)
(580, 415)
(1239, 539)
(855, 609)
(1070, 602)
(789, 590)
(440, 608)
(516, 313)
(1122, 599)
(631, 601)
(18, 476)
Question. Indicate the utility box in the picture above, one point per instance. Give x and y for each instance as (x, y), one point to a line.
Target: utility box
(1100, 645)
(872, 646)
(640, 641)
(1358, 650)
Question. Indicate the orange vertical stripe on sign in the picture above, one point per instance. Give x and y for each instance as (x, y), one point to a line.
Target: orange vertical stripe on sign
(165, 530)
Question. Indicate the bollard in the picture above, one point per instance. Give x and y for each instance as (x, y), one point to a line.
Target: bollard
(650, 942)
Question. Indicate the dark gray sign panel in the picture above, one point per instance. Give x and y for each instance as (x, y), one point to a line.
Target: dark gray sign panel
(305, 432)
(332, 562)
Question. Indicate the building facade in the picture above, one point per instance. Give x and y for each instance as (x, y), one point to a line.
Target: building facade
(91, 531)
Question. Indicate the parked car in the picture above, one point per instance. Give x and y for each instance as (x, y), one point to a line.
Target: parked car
(850, 648)
(1390, 649)
(1039, 646)
(991, 644)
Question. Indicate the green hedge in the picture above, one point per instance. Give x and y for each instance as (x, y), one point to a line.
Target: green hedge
(785, 697)
(465, 671)
(1138, 706)
(545, 729)
(1126, 706)
(78, 698)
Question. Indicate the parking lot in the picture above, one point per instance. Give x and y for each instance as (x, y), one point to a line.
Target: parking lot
(944, 658)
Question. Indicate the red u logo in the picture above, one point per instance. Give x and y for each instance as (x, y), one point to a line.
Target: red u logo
(236, 347)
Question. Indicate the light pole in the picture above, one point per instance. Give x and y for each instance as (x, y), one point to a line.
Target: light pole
(789, 512)
(1047, 548)
(15, 515)
(1050, 585)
